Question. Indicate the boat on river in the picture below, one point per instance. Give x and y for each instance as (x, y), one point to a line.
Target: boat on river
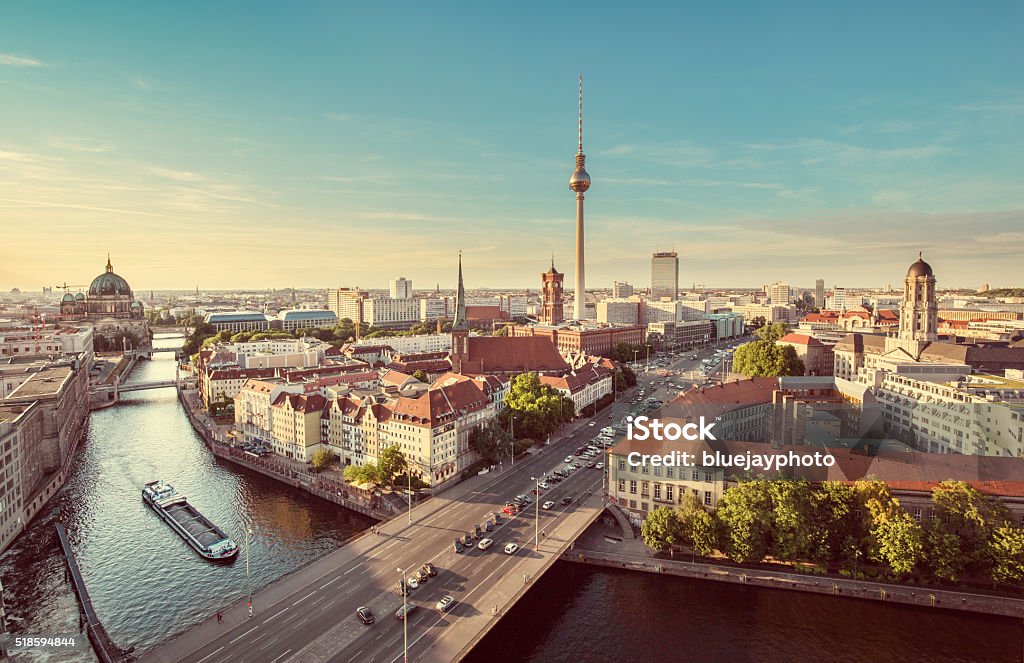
(206, 538)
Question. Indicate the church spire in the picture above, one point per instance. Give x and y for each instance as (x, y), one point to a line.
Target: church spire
(460, 323)
(110, 268)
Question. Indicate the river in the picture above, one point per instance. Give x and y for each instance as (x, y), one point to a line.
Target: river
(147, 584)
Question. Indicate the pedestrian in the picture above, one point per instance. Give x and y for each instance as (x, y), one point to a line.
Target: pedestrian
(220, 617)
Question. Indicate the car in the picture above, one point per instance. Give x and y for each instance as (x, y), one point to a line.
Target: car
(543, 485)
(365, 615)
(592, 423)
(477, 531)
(467, 540)
(458, 545)
(485, 544)
(511, 549)
(421, 576)
(510, 509)
(591, 465)
(548, 505)
(402, 612)
(488, 526)
(413, 582)
(403, 588)
(600, 466)
(566, 500)
(445, 604)
(524, 498)
(536, 491)
(568, 459)
(429, 569)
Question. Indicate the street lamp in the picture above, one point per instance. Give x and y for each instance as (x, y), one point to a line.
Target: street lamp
(536, 522)
(248, 579)
(408, 495)
(405, 617)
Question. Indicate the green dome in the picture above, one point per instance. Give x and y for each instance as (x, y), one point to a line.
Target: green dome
(68, 297)
(80, 297)
(109, 284)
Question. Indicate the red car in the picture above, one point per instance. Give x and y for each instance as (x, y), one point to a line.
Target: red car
(510, 509)
(537, 492)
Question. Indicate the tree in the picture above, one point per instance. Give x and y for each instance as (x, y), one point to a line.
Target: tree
(322, 460)
(628, 375)
(772, 332)
(764, 358)
(756, 323)
(491, 442)
(1006, 549)
(392, 462)
(536, 410)
(504, 331)
(358, 474)
(703, 533)
(792, 513)
(661, 529)
(745, 515)
(623, 352)
(900, 541)
(837, 534)
(970, 519)
(941, 552)
(421, 375)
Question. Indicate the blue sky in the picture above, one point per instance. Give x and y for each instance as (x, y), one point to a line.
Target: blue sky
(264, 145)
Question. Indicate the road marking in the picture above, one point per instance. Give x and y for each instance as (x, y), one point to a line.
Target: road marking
(303, 598)
(322, 598)
(356, 656)
(208, 655)
(259, 636)
(288, 619)
(281, 656)
(269, 642)
(393, 642)
(244, 634)
(353, 568)
(330, 582)
(275, 615)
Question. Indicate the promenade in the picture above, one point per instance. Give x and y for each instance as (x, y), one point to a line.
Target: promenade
(601, 545)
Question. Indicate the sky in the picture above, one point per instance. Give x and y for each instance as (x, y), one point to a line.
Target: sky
(256, 144)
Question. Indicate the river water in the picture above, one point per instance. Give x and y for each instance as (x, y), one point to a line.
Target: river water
(147, 584)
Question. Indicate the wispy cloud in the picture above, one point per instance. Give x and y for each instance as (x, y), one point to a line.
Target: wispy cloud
(401, 216)
(80, 145)
(12, 60)
(1014, 104)
(179, 175)
(16, 156)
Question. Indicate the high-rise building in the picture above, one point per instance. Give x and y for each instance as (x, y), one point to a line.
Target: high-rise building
(621, 290)
(819, 293)
(665, 275)
(580, 182)
(347, 303)
(779, 293)
(551, 289)
(401, 288)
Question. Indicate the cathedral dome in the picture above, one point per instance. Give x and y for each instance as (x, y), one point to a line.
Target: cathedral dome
(68, 298)
(80, 297)
(920, 268)
(109, 284)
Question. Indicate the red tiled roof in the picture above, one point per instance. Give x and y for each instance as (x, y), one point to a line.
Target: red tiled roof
(799, 339)
(506, 354)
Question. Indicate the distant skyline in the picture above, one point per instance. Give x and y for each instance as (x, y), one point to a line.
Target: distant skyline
(265, 146)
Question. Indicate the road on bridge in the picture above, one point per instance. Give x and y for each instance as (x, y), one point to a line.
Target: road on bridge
(310, 614)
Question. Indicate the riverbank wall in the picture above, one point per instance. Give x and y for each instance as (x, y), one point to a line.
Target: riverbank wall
(322, 487)
(838, 587)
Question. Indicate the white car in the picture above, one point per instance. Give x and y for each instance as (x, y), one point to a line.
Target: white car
(483, 545)
(568, 459)
(600, 466)
(548, 505)
(592, 423)
(511, 549)
(412, 583)
(543, 485)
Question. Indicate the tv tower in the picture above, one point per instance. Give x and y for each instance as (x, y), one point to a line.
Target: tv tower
(580, 182)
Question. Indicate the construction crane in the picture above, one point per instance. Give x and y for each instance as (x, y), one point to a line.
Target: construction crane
(67, 287)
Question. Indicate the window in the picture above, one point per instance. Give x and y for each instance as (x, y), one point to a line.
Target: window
(670, 472)
(696, 475)
(632, 487)
(917, 514)
(644, 489)
(622, 464)
(657, 491)
(657, 471)
(696, 492)
(644, 469)
(622, 485)
(707, 498)
(668, 493)
(707, 477)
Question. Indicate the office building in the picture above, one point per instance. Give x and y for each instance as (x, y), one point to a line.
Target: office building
(665, 275)
(621, 290)
(779, 293)
(819, 293)
(401, 288)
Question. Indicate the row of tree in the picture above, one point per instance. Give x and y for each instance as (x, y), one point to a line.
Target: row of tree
(844, 527)
(391, 464)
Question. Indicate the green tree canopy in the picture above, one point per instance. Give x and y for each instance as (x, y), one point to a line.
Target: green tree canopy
(745, 514)
(661, 529)
(1006, 548)
(491, 441)
(763, 358)
(392, 462)
(322, 460)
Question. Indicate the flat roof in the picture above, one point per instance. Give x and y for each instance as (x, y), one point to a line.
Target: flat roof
(47, 382)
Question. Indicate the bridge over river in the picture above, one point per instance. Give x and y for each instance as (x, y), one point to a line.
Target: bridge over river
(309, 615)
